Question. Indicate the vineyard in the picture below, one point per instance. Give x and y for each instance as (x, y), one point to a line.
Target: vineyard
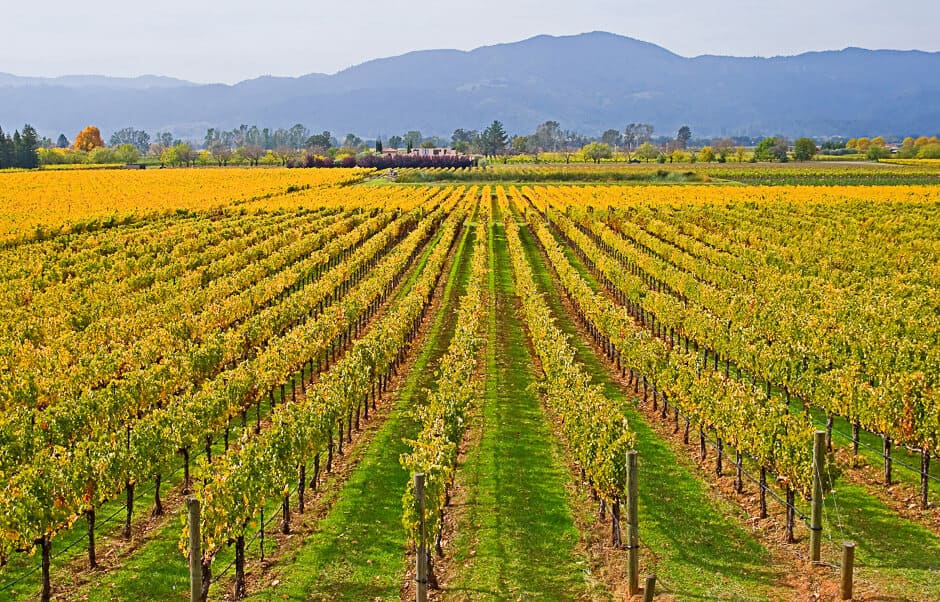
(523, 382)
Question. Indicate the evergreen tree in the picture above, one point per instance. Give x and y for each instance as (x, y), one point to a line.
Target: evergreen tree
(6, 154)
(62, 142)
(683, 136)
(19, 150)
(27, 153)
(17, 143)
(494, 139)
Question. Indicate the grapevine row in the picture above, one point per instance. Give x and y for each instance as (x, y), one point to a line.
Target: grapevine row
(762, 429)
(38, 502)
(443, 418)
(594, 426)
(300, 431)
(909, 415)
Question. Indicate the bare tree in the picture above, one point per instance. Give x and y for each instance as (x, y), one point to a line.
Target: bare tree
(221, 153)
(251, 152)
(548, 136)
(635, 134)
(283, 153)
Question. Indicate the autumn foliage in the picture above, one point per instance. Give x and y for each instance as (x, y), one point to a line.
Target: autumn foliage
(88, 139)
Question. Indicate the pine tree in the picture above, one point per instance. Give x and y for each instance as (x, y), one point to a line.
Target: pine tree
(494, 139)
(6, 156)
(17, 143)
(27, 154)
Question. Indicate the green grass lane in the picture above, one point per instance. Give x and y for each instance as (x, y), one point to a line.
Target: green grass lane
(357, 551)
(696, 544)
(894, 556)
(516, 538)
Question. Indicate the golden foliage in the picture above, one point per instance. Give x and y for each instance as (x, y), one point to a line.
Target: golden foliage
(88, 138)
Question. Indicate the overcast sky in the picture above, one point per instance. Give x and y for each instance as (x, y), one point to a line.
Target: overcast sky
(232, 40)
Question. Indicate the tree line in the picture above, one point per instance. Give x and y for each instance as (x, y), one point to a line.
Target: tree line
(550, 141)
(19, 150)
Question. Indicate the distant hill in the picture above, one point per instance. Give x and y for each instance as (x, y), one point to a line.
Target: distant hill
(143, 82)
(588, 82)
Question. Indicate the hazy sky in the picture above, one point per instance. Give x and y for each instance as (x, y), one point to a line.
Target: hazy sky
(231, 40)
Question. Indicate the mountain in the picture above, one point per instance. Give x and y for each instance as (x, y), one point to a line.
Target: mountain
(588, 82)
(143, 82)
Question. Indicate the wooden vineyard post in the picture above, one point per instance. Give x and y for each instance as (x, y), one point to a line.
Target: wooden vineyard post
(239, 591)
(90, 517)
(633, 537)
(819, 462)
(887, 458)
(649, 588)
(763, 492)
(45, 546)
(924, 478)
(130, 510)
(421, 568)
(848, 569)
(195, 551)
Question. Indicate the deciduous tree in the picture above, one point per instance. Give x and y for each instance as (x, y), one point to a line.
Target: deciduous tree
(139, 138)
(413, 139)
(220, 153)
(804, 149)
(595, 151)
(521, 144)
(930, 150)
(723, 148)
(126, 153)
(612, 138)
(647, 151)
(772, 149)
(164, 139)
(251, 153)
(88, 138)
(635, 134)
(324, 140)
(549, 136)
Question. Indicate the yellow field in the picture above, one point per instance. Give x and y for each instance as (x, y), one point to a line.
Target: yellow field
(33, 202)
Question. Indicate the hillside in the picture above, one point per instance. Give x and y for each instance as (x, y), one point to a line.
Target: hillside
(588, 82)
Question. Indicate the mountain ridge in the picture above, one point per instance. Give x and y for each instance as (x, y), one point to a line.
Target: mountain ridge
(589, 82)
